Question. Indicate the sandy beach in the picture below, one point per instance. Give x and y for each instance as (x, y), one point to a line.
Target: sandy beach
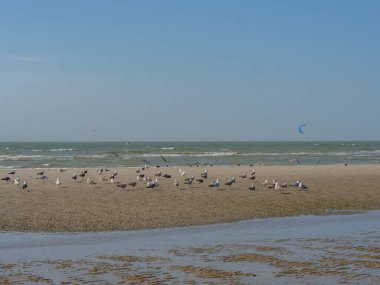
(78, 206)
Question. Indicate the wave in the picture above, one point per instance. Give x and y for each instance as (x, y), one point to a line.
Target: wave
(168, 148)
(197, 154)
(61, 149)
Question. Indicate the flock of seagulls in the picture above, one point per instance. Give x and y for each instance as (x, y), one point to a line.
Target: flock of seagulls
(153, 183)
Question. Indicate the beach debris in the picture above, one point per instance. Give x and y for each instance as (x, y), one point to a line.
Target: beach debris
(13, 172)
(300, 128)
(25, 185)
(57, 182)
(252, 187)
(6, 179)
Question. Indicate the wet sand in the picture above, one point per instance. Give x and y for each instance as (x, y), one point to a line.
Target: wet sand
(339, 249)
(78, 206)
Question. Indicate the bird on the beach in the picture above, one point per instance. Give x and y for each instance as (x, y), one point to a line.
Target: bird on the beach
(167, 175)
(302, 186)
(277, 186)
(253, 172)
(122, 185)
(24, 185)
(158, 174)
(82, 174)
(189, 181)
(6, 179)
(17, 181)
(75, 177)
(41, 172)
(150, 184)
(43, 177)
(265, 182)
(60, 170)
(114, 174)
(243, 176)
(252, 188)
(252, 177)
(89, 181)
(133, 184)
(204, 174)
(57, 182)
(112, 180)
(176, 182)
(101, 178)
(228, 183)
(214, 183)
(13, 172)
(199, 180)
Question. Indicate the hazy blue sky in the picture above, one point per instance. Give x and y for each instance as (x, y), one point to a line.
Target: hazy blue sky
(189, 70)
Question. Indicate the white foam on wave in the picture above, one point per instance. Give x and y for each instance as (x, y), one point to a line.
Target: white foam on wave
(168, 148)
(198, 154)
(61, 149)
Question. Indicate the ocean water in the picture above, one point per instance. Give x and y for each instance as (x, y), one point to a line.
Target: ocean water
(132, 154)
(337, 249)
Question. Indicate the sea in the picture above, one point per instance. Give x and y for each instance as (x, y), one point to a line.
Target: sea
(135, 154)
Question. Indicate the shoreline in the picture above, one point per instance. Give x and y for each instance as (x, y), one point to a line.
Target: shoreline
(80, 207)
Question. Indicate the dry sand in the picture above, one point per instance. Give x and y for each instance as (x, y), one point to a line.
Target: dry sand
(75, 206)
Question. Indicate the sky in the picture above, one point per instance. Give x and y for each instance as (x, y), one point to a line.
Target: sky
(186, 70)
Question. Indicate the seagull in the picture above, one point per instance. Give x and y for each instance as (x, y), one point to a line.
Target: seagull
(252, 177)
(277, 186)
(150, 184)
(41, 172)
(176, 182)
(24, 185)
(114, 174)
(17, 181)
(90, 181)
(214, 183)
(60, 170)
(243, 176)
(252, 188)
(302, 186)
(74, 177)
(204, 174)
(199, 180)
(229, 182)
(265, 182)
(43, 177)
(158, 174)
(58, 182)
(112, 180)
(189, 181)
(122, 185)
(7, 179)
(13, 172)
(133, 184)
(253, 172)
(167, 175)
(82, 174)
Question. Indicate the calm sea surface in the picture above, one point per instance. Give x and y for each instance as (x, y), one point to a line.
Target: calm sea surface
(129, 154)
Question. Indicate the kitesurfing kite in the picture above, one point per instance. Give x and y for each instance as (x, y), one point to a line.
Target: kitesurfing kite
(300, 130)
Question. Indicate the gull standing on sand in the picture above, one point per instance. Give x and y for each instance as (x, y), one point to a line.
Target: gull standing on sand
(24, 185)
(176, 182)
(57, 182)
(17, 181)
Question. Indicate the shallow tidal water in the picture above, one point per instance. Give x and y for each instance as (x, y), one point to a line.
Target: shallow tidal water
(331, 249)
